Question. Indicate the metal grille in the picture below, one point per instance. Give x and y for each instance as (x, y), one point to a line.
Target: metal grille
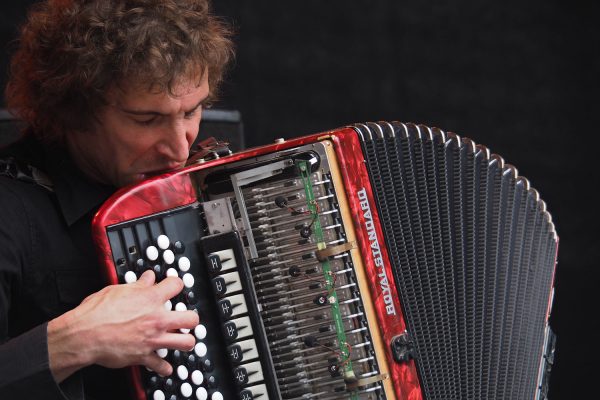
(473, 251)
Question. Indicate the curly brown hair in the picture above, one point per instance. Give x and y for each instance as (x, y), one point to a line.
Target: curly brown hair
(71, 52)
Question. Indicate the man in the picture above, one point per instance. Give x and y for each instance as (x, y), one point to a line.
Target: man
(112, 92)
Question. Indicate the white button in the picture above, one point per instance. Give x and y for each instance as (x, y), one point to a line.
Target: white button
(180, 307)
(158, 395)
(169, 257)
(162, 353)
(182, 372)
(201, 393)
(172, 272)
(163, 241)
(197, 378)
(168, 305)
(152, 253)
(186, 389)
(200, 349)
(130, 277)
(188, 280)
(184, 330)
(216, 396)
(200, 332)
(184, 264)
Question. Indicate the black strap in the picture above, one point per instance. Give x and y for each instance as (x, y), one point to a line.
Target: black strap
(15, 169)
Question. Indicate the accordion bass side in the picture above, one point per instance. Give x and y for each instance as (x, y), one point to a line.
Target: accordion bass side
(376, 261)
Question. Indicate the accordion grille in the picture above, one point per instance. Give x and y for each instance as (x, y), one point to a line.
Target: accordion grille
(473, 252)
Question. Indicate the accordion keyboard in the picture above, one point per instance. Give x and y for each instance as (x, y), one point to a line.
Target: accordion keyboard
(279, 318)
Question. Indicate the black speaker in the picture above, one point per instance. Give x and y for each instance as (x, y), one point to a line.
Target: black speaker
(222, 124)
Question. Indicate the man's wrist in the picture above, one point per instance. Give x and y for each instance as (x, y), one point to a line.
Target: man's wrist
(66, 355)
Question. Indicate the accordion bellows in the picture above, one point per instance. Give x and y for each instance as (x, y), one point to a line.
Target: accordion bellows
(473, 250)
(376, 261)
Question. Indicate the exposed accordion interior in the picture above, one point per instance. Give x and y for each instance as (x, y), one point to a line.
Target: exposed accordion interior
(376, 261)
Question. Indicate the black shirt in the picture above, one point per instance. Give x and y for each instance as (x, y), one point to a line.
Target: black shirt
(48, 265)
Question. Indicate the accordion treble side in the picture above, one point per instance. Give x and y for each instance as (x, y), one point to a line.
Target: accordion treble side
(377, 261)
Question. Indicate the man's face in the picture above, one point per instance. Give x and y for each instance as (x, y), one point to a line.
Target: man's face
(140, 133)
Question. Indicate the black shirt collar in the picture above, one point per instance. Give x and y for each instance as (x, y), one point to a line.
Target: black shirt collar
(77, 195)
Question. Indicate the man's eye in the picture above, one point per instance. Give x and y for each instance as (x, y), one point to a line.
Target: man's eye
(146, 122)
(190, 114)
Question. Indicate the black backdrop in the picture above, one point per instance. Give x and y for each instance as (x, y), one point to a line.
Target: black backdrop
(519, 77)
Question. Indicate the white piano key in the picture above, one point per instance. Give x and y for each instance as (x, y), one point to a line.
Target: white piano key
(184, 264)
(169, 257)
(250, 373)
(201, 393)
(162, 353)
(130, 277)
(163, 242)
(197, 378)
(200, 332)
(188, 280)
(152, 253)
(238, 328)
(233, 306)
(233, 282)
(243, 351)
(200, 349)
(256, 391)
(186, 389)
(182, 372)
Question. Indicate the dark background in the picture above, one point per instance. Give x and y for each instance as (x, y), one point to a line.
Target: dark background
(518, 77)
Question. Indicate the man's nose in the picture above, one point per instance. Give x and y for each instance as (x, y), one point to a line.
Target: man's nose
(176, 143)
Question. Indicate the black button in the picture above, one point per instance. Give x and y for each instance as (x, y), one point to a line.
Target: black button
(192, 361)
(235, 353)
(176, 358)
(179, 247)
(153, 382)
(207, 365)
(231, 332)
(140, 265)
(240, 375)
(219, 286)
(214, 263)
(212, 381)
(225, 309)
(246, 395)
(191, 297)
(170, 385)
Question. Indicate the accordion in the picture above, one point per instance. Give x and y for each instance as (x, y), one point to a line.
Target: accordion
(375, 261)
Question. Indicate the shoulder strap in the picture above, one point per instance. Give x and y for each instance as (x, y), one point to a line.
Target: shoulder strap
(13, 168)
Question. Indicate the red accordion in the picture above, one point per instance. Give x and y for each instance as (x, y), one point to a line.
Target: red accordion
(376, 261)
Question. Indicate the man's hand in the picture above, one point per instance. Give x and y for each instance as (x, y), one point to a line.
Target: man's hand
(121, 325)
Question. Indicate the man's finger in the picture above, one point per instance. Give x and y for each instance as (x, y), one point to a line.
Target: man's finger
(181, 319)
(157, 364)
(175, 341)
(147, 278)
(168, 288)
